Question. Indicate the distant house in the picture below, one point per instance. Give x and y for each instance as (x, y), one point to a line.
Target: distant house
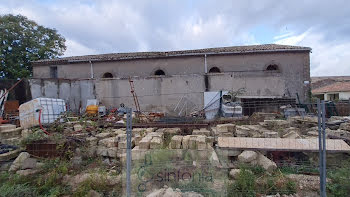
(332, 89)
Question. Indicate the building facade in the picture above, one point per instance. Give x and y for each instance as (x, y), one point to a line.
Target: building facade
(161, 79)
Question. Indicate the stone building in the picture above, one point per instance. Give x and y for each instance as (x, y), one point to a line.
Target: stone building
(161, 79)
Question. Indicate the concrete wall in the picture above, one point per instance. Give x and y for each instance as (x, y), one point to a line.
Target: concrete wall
(158, 93)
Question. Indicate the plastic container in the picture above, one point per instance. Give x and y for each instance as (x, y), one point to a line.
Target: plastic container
(51, 110)
(92, 109)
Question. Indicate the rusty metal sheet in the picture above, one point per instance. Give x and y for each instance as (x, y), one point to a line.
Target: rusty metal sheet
(281, 144)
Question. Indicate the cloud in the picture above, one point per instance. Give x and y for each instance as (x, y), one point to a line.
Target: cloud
(106, 26)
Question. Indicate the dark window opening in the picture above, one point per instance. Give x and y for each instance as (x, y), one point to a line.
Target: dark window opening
(53, 72)
(272, 67)
(159, 72)
(107, 75)
(214, 70)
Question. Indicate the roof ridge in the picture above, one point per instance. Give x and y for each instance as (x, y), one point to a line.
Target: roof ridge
(152, 54)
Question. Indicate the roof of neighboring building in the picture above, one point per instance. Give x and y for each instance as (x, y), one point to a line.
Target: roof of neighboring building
(335, 78)
(140, 55)
(341, 86)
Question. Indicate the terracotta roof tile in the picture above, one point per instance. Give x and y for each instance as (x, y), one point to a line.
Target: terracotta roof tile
(334, 87)
(137, 55)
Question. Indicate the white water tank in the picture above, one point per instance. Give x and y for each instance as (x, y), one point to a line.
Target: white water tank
(51, 110)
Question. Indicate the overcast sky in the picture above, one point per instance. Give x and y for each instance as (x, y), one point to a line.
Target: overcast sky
(105, 26)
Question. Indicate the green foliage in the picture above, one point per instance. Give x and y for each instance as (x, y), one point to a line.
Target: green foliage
(37, 135)
(19, 190)
(277, 183)
(22, 41)
(244, 185)
(98, 184)
(340, 180)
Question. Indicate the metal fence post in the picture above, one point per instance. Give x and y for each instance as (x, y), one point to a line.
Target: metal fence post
(128, 150)
(324, 148)
(319, 110)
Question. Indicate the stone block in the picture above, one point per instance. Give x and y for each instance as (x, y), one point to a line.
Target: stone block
(192, 142)
(16, 165)
(266, 163)
(92, 141)
(247, 156)
(29, 163)
(77, 127)
(108, 142)
(270, 134)
(201, 143)
(185, 142)
(103, 135)
(145, 142)
(225, 128)
(345, 126)
(201, 131)
(121, 138)
(137, 138)
(156, 143)
(175, 142)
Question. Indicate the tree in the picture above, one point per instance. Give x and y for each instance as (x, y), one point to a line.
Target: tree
(22, 41)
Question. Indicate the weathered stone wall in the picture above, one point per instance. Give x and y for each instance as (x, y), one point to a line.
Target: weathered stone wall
(245, 70)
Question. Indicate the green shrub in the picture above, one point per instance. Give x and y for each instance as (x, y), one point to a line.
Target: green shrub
(340, 180)
(244, 185)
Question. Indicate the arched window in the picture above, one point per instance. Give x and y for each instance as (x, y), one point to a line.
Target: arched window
(214, 70)
(107, 75)
(159, 72)
(272, 67)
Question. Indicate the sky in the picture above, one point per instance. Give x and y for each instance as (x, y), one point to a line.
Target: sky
(106, 26)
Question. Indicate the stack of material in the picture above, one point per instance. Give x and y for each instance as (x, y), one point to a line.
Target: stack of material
(3, 98)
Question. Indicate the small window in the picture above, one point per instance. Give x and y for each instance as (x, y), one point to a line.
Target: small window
(53, 72)
(272, 67)
(107, 75)
(214, 70)
(159, 72)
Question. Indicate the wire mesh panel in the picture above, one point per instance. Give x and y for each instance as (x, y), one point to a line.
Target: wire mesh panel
(182, 170)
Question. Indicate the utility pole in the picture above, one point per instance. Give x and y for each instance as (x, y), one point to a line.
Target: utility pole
(128, 150)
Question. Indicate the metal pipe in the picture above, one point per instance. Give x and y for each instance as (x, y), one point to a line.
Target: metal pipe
(205, 64)
(128, 151)
(91, 70)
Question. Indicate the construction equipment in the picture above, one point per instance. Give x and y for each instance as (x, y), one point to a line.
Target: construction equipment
(136, 101)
